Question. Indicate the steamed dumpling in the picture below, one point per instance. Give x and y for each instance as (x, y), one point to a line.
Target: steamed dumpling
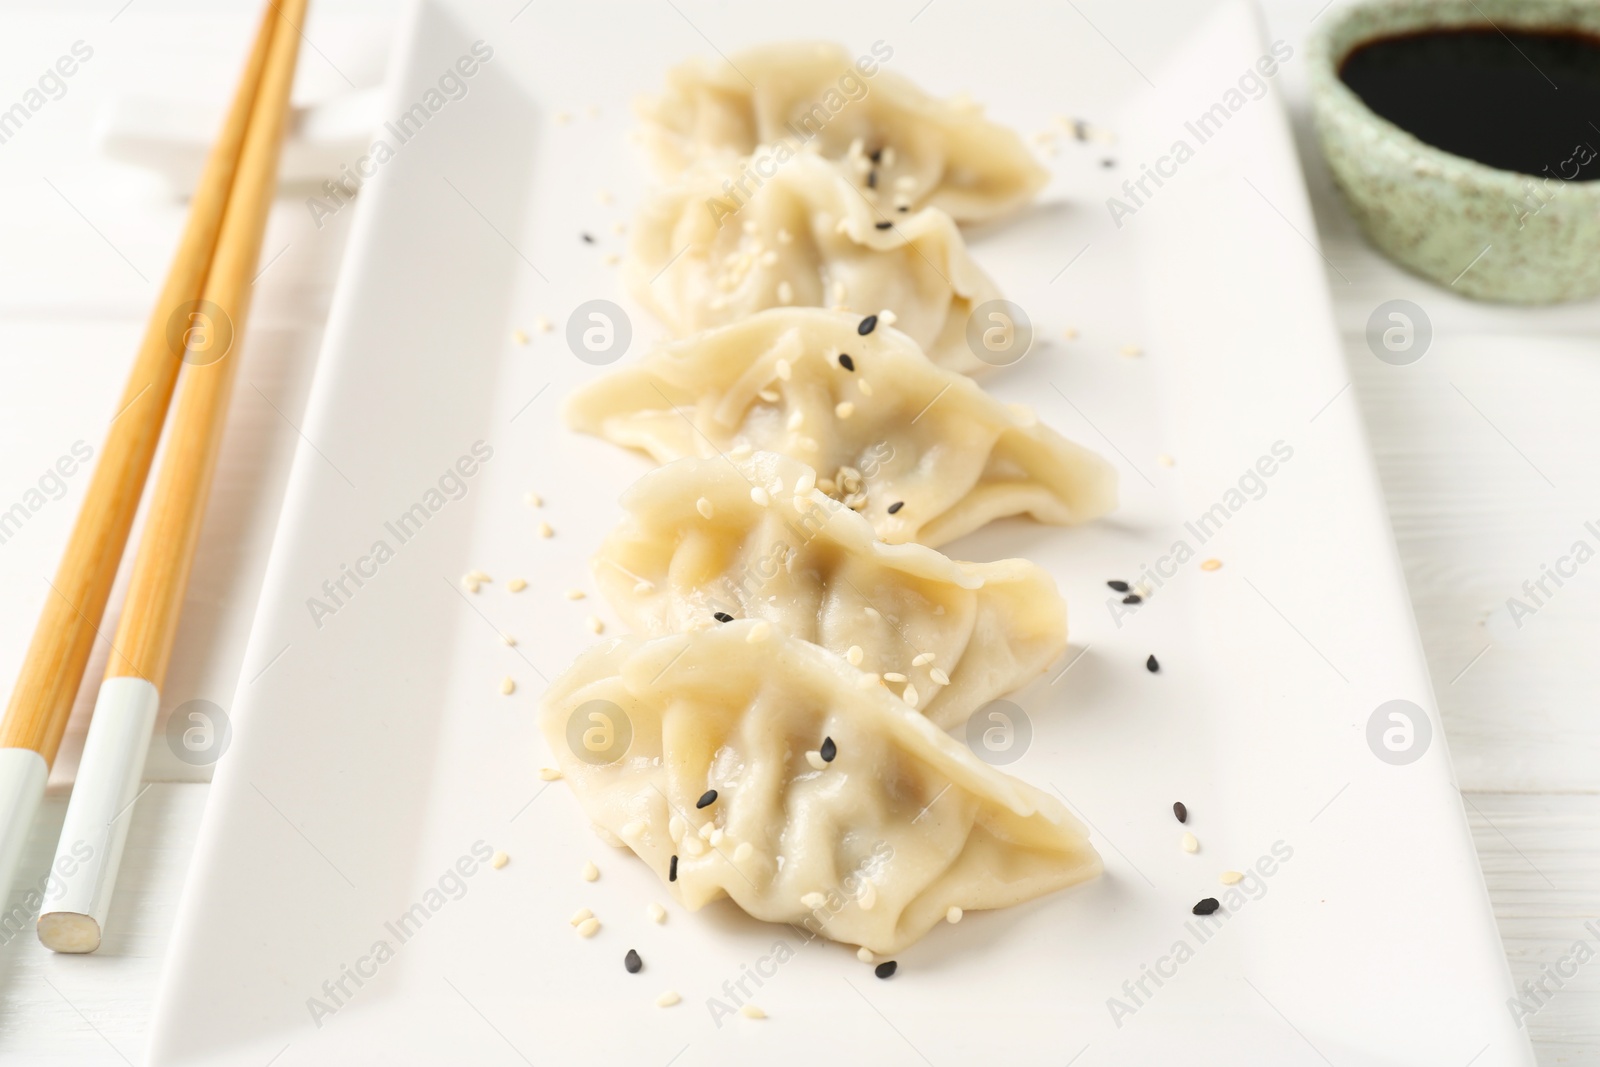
(701, 256)
(697, 547)
(897, 144)
(925, 455)
(870, 848)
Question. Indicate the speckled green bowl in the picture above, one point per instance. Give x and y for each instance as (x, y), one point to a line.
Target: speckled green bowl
(1434, 212)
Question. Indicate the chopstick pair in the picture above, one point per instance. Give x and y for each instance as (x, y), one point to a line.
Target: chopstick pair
(201, 311)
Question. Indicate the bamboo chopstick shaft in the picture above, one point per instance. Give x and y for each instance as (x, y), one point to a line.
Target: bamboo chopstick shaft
(52, 670)
(154, 603)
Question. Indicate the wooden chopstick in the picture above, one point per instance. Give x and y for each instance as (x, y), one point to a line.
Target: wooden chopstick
(125, 711)
(47, 684)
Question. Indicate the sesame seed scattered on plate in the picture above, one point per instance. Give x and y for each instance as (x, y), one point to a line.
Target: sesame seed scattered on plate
(589, 927)
(886, 969)
(500, 860)
(1207, 906)
(1180, 810)
(533, 500)
(544, 530)
(580, 916)
(667, 999)
(1070, 333)
(619, 227)
(519, 336)
(864, 954)
(1190, 842)
(603, 196)
(657, 913)
(1152, 665)
(1211, 565)
(510, 641)
(576, 594)
(1231, 877)
(1118, 585)
(596, 625)
(672, 870)
(590, 871)
(508, 685)
(1131, 350)
(953, 915)
(517, 585)
(750, 1011)
(632, 963)
(541, 324)
(1165, 460)
(549, 774)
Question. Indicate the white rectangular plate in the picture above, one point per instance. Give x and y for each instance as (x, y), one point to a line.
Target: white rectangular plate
(372, 751)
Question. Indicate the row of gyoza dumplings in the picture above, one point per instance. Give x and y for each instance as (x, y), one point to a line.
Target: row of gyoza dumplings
(801, 646)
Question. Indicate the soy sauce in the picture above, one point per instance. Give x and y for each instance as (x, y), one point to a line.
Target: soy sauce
(1521, 101)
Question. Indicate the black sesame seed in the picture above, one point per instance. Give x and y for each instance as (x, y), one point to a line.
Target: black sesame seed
(884, 225)
(722, 616)
(829, 750)
(1080, 129)
(1118, 585)
(896, 506)
(588, 239)
(1207, 906)
(672, 870)
(867, 325)
(632, 962)
(1181, 811)
(846, 362)
(872, 179)
(1133, 598)
(876, 155)
(708, 798)
(886, 969)
(1108, 163)
(1151, 665)
(903, 207)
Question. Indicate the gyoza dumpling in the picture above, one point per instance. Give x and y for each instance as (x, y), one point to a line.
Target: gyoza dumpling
(898, 144)
(704, 754)
(698, 548)
(925, 455)
(701, 256)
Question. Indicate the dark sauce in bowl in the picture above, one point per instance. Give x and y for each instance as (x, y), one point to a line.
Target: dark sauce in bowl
(1521, 100)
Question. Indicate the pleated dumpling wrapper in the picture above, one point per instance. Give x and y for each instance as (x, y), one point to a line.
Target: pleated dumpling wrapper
(925, 455)
(700, 256)
(898, 145)
(707, 754)
(698, 548)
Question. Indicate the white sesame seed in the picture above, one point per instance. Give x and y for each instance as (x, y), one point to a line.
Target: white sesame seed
(544, 530)
(1131, 350)
(509, 641)
(1231, 877)
(864, 954)
(769, 395)
(589, 927)
(610, 259)
(750, 1011)
(855, 655)
(706, 830)
(596, 625)
(806, 482)
(693, 845)
(938, 677)
(667, 999)
(922, 659)
(743, 852)
(872, 612)
(631, 829)
(675, 827)
(643, 586)
(887, 318)
(519, 337)
(953, 915)
(1165, 460)
(603, 196)
(703, 506)
(508, 685)
(797, 419)
(479, 576)
(893, 676)
(783, 370)
(469, 585)
(813, 900)
(619, 227)
(533, 500)
(910, 695)
(575, 594)
(541, 324)
(1190, 842)
(808, 443)
(865, 386)
(844, 409)
(759, 632)
(500, 860)
(517, 585)
(1070, 333)
(590, 871)
(785, 237)
(868, 897)
(656, 912)
(581, 915)
(1211, 565)
(760, 496)
(549, 774)
(716, 837)
(866, 681)
(814, 758)
(562, 118)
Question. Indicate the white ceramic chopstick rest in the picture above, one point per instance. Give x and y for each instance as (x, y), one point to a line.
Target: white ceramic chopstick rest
(97, 816)
(22, 778)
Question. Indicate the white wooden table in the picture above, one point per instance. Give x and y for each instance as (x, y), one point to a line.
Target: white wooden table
(1486, 449)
